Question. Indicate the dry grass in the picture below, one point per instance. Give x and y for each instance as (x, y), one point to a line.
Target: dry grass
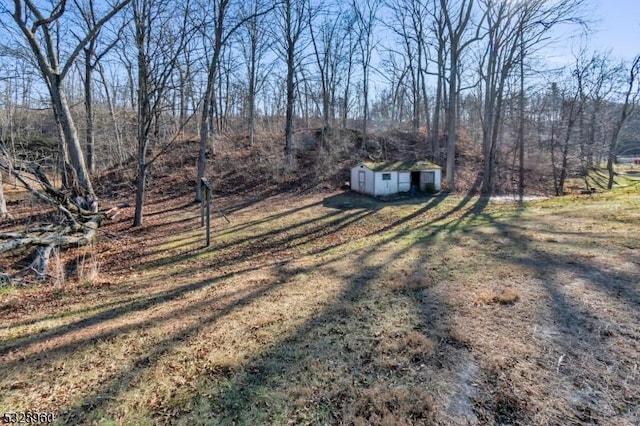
(392, 406)
(339, 310)
(59, 276)
(88, 266)
(504, 297)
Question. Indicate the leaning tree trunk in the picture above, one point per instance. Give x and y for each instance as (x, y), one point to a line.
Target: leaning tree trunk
(72, 143)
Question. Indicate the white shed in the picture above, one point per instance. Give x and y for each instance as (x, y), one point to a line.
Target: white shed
(388, 178)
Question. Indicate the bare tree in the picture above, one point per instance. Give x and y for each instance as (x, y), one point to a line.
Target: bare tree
(411, 24)
(220, 10)
(495, 68)
(254, 48)
(351, 41)
(366, 16)
(439, 30)
(160, 36)
(392, 102)
(601, 84)
(324, 41)
(631, 94)
(38, 27)
(572, 108)
(521, 116)
(4, 124)
(514, 31)
(457, 17)
(224, 27)
(92, 57)
(293, 15)
(110, 94)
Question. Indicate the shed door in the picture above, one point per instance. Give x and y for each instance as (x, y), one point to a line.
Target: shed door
(404, 181)
(361, 181)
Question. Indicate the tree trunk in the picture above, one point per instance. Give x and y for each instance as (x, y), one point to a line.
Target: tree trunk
(630, 101)
(435, 122)
(365, 112)
(209, 102)
(565, 158)
(252, 95)
(144, 116)
(204, 133)
(521, 125)
(345, 100)
(88, 105)
(451, 124)
(140, 192)
(292, 33)
(72, 143)
(425, 99)
(112, 114)
(574, 113)
(4, 213)
(288, 127)
(456, 46)
(613, 148)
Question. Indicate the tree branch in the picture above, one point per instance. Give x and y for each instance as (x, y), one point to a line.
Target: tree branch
(91, 35)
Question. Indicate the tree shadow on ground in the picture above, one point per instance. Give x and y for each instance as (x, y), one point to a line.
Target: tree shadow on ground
(362, 363)
(266, 242)
(573, 326)
(364, 366)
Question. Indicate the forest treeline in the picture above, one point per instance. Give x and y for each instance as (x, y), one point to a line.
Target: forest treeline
(87, 84)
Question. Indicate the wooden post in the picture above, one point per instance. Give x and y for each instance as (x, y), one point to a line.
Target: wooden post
(206, 185)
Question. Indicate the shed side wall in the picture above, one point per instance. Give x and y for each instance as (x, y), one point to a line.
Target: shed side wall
(386, 187)
(368, 178)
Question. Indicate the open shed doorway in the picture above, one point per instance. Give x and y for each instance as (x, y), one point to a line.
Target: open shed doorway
(415, 181)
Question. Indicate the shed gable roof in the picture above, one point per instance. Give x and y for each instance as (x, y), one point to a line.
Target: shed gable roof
(401, 165)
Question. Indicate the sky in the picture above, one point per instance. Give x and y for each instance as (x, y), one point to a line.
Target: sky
(616, 27)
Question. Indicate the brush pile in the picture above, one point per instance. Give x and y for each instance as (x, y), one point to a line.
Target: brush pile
(76, 223)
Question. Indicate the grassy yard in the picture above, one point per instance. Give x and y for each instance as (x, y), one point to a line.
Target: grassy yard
(338, 309)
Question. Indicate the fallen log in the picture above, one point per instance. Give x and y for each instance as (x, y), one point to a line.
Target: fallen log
(78, 228)
(61, 237)
(64, 237)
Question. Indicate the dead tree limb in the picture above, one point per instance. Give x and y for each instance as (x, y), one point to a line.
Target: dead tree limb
(78, 228)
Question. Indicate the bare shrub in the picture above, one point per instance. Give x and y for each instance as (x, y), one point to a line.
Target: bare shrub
(58, 268)
(88, 266)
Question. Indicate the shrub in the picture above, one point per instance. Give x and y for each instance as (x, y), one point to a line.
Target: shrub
(430, 188)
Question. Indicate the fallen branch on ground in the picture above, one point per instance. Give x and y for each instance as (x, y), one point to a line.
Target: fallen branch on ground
(78, 228)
